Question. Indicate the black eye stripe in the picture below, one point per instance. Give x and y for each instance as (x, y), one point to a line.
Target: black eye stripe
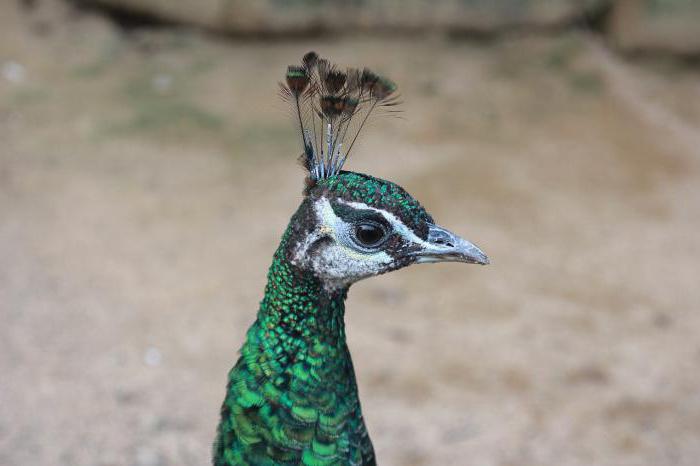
(353, 216)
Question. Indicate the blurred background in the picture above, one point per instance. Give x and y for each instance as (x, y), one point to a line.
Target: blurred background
(147, 171)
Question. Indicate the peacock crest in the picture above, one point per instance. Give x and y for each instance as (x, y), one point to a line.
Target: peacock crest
(332, 107)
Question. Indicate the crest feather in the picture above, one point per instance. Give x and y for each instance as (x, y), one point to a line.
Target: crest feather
(332, 106)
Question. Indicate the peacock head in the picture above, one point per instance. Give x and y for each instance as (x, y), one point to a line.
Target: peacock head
(352, 226)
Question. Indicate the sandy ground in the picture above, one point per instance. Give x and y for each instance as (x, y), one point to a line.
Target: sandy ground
(145, 180)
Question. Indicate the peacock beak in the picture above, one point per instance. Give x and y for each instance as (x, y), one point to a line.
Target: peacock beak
(444, 246)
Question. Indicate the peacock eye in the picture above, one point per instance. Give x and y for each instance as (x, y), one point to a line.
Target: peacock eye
(369, 235)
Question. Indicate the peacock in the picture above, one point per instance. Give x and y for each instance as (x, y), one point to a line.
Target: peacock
(292, 396)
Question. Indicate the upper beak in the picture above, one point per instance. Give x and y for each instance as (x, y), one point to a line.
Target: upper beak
(445, 246)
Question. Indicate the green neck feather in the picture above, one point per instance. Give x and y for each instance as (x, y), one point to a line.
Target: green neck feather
(292, 396)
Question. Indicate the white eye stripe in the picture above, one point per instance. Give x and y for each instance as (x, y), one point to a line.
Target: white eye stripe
(393, 220)
(338, 229)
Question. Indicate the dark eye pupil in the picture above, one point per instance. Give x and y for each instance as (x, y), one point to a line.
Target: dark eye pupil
(368, 234)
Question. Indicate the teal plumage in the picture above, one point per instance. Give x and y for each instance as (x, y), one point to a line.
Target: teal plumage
(292, 397)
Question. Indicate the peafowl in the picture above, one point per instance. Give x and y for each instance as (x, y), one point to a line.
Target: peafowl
(292, 396)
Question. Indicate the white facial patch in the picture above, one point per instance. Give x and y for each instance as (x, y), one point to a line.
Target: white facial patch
(338, 262)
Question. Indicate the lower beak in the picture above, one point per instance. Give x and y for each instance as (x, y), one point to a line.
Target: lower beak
(444, 246)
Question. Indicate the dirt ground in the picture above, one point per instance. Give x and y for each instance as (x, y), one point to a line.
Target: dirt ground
(145, 179)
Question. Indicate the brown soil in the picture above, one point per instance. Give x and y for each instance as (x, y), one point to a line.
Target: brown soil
(145, 180)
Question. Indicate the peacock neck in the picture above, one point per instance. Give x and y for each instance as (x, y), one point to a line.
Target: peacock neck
(292, 396)
(299, 316)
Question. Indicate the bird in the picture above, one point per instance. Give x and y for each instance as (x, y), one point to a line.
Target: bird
(292, 396)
